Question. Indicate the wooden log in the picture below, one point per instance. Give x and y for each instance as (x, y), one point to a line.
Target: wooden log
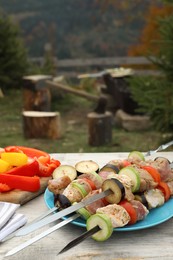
(37, 124)
(132, 122)
(99, 128)
(72, 90)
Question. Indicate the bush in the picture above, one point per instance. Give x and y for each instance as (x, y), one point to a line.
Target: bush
(13, 55)
(155, 98)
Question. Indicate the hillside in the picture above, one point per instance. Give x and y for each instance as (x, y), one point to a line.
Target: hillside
(78, 28)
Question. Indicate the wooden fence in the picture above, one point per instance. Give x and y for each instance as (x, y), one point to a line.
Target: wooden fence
(73, 66)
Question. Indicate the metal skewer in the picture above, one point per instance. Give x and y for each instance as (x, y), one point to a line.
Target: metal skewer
(160, 148)
(41, 235)
(49, 219)
(79, 239)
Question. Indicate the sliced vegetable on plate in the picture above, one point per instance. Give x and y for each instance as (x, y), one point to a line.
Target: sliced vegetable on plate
(104, 224)
(86, 166)
(65, 170)
(136, 155)
(133, 174)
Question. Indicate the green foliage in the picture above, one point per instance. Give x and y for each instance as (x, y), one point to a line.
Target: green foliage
(155, 97)
(164, 59)
(168, 1)
(49, 67)
(13, 57)
(155, 94)
(89, 85)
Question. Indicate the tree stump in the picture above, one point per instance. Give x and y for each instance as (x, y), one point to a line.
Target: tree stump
(38, 124)
(99, 128)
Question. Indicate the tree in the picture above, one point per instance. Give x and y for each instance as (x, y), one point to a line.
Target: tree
(150, 33)
(13, 55)
(155, 94)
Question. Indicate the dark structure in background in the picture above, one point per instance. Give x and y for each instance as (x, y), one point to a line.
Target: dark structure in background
(36, 94)
(118, 88)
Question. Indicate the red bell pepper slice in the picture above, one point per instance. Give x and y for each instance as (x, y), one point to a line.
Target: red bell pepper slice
(30, 169)
(46, 164)
(30, 152)
(4, 187)
(47, 169)
(21, 182)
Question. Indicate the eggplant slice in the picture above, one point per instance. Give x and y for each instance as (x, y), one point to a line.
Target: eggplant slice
(117, 188)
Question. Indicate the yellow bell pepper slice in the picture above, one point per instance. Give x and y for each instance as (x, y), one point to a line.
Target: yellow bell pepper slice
(4, 166)
(14, 158)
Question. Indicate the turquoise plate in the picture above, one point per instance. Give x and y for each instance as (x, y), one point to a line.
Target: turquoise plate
(155, 217)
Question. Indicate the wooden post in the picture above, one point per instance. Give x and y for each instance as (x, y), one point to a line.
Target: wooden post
(99, 128)
(38, 124)
(36, 94)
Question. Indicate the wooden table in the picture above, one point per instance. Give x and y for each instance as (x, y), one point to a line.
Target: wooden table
(151, 244)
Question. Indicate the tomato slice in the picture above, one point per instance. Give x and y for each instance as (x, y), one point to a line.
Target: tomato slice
(105, 201)
(130, 210)
(153, 172)
(126, 163)
(91, 183)
(163, 186)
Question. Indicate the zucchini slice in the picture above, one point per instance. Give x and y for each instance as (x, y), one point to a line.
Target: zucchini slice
(134, 176)
(87, 166)
(104, 223)
(62, 170)
(117, 188)
(80, 188)
(136, 155)
(84, 213)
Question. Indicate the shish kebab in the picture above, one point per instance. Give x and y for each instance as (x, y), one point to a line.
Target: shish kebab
(94, 228)
(107, 191)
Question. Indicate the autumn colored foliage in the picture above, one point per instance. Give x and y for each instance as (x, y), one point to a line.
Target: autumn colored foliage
(149, 39)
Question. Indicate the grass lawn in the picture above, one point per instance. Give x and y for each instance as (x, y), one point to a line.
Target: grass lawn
(74, 138)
